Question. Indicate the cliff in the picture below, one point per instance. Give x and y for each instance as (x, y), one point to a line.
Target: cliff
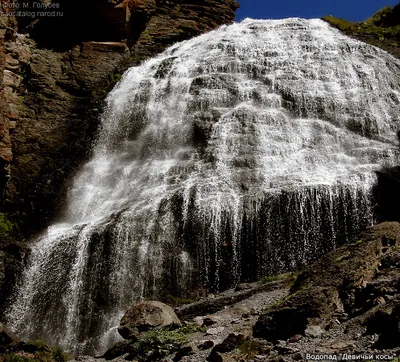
(53, 89)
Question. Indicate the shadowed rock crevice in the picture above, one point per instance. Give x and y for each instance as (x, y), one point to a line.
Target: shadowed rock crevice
(74, 22)
(387, 194)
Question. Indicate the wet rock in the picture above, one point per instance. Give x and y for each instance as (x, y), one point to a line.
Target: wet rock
(198, 321)
(263, 347)
(285, 350)
(212, 305)
(214, 356)
(207, 321)
(285, 322)
(230, 343)
(12, 265)
(380, 300)
(297, 356)
(145, 316)
(342, 346)
(11, 64)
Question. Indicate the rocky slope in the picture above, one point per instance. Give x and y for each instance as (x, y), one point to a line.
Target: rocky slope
(347, 303)
(55, 83)
(382, 29)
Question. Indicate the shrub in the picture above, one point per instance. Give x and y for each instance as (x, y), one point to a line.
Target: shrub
(6, 225)
(384, 25)
(158, 344)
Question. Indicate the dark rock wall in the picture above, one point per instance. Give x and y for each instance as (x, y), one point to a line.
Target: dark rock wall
(7, 25)
(11, 255)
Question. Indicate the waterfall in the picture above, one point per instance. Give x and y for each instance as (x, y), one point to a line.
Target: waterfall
(243, 152)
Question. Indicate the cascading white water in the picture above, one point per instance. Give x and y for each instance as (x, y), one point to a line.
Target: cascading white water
(243, 152)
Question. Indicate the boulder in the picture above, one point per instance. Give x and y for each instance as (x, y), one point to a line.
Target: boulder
(145, 316)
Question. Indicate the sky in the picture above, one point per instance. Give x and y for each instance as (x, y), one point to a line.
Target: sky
(353, 10)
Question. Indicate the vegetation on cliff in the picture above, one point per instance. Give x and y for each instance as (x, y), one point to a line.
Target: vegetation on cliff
(382, 29)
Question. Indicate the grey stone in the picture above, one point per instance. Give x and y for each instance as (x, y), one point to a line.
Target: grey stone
(314, 331)
(145, 316)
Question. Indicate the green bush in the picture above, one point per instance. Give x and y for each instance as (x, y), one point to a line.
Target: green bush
(159, 344)
(40, 344)
(6, 225)
(380, 26)
(191, 328)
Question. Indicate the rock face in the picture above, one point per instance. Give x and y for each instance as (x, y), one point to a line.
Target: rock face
(145, 316)
(52, 91)
(137, 21)
(6, 79)
(358, 284)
